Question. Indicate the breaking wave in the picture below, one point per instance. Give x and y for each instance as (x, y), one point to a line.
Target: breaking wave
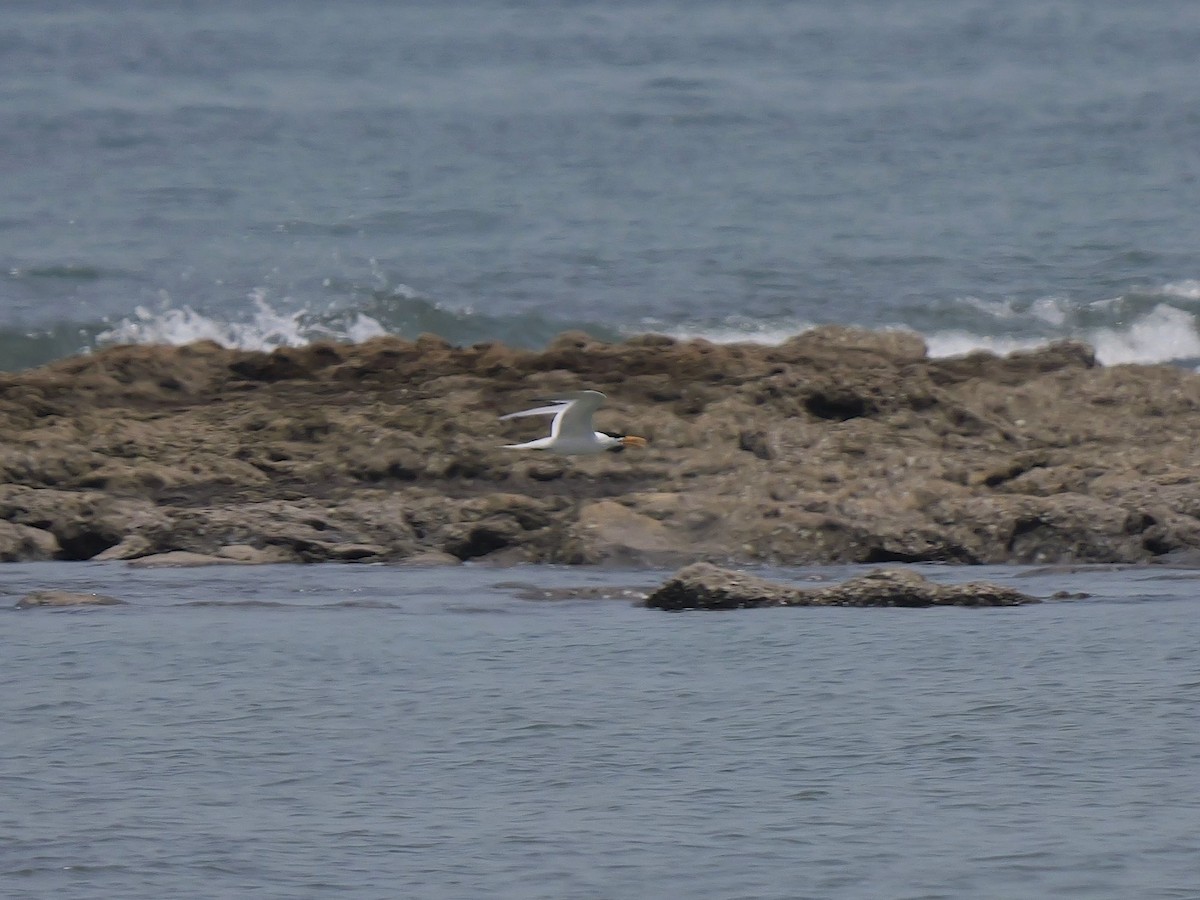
(1145, 326)
(396, 311)
(265, 329)
(1151, 326)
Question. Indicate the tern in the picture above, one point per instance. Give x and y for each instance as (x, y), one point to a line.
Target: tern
(572, 432)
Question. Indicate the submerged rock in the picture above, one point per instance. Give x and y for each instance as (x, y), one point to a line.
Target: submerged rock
(178, 559)
(66, 598)
(904, 587)
(705, 586)
(838, 446)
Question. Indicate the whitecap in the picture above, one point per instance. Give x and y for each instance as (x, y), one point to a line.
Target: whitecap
(1183, 290)
(266, 329)
(1165, 334)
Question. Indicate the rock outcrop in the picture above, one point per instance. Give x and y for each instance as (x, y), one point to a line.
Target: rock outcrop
(705, 586)
(838, 446)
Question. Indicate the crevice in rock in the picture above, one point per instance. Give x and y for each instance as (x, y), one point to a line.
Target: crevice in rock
(882, 555)
(755, 442)
(954, 554)
(837, 406)
(479, 541)
(84, 544)
(1022, 527)
(1158, 544)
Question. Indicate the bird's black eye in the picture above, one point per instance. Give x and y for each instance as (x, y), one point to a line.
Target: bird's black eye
(613, 434)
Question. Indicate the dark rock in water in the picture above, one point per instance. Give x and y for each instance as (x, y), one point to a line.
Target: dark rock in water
(705, 586)
(65, 598)
(904, 587)
(838, 446)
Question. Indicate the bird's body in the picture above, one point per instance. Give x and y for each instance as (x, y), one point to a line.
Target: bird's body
(572, 432)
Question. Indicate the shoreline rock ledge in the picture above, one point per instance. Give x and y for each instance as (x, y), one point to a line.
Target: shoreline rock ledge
(705, 586)
(837, 446)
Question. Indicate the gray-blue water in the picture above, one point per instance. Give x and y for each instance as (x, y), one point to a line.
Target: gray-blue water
(989, 174)
(380, 732)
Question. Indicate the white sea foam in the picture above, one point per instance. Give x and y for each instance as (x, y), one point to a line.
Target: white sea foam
(739, 332)
(1183, 290)
(1053, 310)
(940, 344)
(1163, 334)
(997, 309)
(960, 343)
(266, 329)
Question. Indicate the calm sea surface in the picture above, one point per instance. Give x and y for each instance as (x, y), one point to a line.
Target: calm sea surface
(989, 174)
(380, 732)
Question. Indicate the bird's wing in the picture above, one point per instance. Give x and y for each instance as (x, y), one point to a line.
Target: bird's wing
(575, 420)
(595, 397)
(540, 411)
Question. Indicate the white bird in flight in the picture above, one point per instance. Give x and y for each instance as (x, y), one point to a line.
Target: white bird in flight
(572, 432)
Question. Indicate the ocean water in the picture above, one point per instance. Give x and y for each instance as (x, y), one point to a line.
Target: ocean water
(989, 174)
(379, 732)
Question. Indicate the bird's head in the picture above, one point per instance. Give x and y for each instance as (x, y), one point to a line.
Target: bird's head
(621, 441)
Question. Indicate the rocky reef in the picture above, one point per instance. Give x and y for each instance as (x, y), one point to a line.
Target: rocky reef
(840, 445)
(705, 586)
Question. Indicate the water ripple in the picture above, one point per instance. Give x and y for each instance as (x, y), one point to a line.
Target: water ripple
(591, 749)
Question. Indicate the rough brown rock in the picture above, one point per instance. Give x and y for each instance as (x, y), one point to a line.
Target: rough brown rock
(607, 532)
(840, 445)
(705, 586)
(21, 542)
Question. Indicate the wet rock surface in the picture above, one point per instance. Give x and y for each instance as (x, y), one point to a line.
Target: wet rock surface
(838, 446)
(61, 599)
(705, 586)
